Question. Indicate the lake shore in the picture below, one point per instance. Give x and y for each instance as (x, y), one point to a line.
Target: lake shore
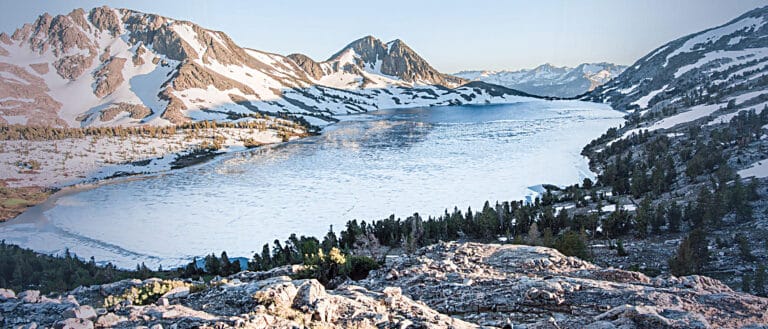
(33, 171)
(126, 223)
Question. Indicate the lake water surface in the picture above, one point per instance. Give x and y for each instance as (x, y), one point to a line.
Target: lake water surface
(366, 167)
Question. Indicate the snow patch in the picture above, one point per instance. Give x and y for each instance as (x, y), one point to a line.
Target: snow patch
(715, 34)
(643, 101)
(732, 58)
(758, 170)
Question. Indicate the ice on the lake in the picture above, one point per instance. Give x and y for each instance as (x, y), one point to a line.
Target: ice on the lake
(390, 162)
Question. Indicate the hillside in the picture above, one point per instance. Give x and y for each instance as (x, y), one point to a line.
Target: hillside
(692, 155)
(108, 67)
(548, 80)
(709, 68)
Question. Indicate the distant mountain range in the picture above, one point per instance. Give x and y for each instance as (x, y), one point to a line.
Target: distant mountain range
(122, 67)
(548, 80)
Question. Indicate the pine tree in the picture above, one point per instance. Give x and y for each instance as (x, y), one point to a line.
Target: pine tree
(330, 241)
(212, 265)
(675, 216)
(226, 265)
(760, 281)
(266, 258)
(744, 250)
(643, 218)
(745, 280)
(658, 219)
(692, 254)
(620, 249)
(255, 263)
(573, 244)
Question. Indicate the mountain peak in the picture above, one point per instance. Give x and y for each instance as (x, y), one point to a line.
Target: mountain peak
(394, 59)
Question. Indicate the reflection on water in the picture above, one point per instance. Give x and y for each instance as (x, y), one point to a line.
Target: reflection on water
(365, 167)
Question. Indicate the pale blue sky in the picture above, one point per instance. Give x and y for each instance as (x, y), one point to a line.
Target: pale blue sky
(451, 35)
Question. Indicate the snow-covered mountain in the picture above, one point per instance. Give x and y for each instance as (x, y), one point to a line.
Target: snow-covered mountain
(371, 63)
(701, 72)
(122, 67)
(548, 80)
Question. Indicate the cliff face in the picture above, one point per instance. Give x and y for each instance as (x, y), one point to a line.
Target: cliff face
(448, 285)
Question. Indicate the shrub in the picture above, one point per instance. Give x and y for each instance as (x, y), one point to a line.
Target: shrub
(572, 244)
(325, 268)
(359, 266)
(620, 251)
(145, 294)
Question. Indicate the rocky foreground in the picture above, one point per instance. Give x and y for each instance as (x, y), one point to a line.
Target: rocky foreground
(448, 285)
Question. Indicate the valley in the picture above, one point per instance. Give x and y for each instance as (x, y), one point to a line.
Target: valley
(180, 179)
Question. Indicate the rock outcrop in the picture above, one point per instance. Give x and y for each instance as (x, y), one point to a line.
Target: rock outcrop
(541, 288)
(109, 76)
(448, 285)
(308, 65)
(135, 111)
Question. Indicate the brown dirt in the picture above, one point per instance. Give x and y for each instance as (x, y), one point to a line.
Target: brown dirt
(15, 200)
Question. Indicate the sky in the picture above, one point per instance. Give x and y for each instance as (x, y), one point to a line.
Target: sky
(451, 35)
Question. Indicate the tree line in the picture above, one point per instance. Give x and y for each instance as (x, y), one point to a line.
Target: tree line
(44, 133)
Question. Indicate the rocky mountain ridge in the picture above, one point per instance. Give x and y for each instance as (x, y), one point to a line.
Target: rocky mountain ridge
(371, 58)
(448, 285)
(549, 80)
(701, 68)
(122, 67)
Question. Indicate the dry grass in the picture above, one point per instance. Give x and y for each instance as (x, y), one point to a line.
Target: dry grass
(15, 200)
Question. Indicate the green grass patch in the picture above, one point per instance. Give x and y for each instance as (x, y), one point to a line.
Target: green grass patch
(14, 203)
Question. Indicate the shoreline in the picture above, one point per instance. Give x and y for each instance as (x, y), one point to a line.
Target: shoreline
(94, 182)
(209, 157)
(37, 169)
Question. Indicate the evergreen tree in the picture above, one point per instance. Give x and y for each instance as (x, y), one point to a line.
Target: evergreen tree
(225, 264)
(643, 218)
(212, 265)
(573, 244)
(255, 263)
(620, 249)
(745, 280)
(330, 241)
(744, 250)
(266, 258)
(675, 216)
(613, 226)
(692, 254)
(561, 221)
(659, 218)
(738, 201)
(760, 281)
